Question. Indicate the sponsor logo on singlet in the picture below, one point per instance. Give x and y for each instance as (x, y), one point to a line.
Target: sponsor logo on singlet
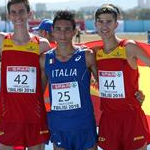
(8, 45)
(78, 58)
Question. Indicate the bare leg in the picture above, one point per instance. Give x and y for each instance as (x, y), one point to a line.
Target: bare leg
(43, 147)
(4, 147)
(36, 147)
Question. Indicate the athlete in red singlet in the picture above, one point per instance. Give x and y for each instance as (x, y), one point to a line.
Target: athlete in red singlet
(23, 118)
(123, 125)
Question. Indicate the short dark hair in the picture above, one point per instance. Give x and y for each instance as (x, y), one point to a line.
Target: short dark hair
(65, 15)
(108, 9)
(11, 2)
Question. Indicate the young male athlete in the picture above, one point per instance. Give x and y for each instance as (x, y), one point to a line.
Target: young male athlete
(68, 70)
(123, 125)
(23, 118)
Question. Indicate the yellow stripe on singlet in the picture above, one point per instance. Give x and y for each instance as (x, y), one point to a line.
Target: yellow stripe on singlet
(119, 52)
(32, 47)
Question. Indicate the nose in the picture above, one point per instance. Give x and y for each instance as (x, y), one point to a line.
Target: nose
(62, 31)
(62, 34)
(18, 16)
(104, 24)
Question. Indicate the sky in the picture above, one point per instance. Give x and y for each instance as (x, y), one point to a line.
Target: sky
(124, 4)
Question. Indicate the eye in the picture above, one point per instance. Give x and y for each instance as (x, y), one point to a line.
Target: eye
(99, 20)
(68, 29)
(22, 12)
(57, 29)
(13, 13)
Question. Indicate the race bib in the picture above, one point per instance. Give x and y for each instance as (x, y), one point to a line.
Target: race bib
(21, 79)
(65, 96)
(111, 84)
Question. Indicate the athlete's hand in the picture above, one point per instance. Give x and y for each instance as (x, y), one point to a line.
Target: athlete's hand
(84, 46)
(140, 96)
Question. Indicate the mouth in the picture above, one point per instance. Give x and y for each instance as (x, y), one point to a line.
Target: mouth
(104, 31)
(18, 22)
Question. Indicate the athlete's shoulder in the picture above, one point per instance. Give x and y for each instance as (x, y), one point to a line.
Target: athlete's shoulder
(129, 42)
(44, 44)
(83, 48)
(50, 51)
(4, 35)
(131, 45)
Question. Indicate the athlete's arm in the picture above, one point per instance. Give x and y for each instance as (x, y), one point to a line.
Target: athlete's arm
(2, 35)
(44, 45)
(43, 75)
(91, 62)
(135, 52)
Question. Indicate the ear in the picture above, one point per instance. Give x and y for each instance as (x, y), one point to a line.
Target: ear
(8, 16)
(75, 31)
(30, 14)
(95, 23)
(116, 24)
(52, 31)
(44, 33)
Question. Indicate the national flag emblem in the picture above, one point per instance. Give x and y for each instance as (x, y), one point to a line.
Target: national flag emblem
(51, 61)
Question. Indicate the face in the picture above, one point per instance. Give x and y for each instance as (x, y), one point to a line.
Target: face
(46, 35)
(19, 15)
(63, 32)
(41, 33)
(106, 25)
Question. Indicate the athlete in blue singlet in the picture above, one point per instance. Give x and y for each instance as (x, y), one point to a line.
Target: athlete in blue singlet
(68, 69)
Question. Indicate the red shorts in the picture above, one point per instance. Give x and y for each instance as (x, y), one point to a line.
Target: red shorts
(24, 134)
(123, 130)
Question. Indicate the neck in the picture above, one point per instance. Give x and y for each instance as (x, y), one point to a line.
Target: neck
(21, 38)
(64, 54)
(64, 49)
(111, 44)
